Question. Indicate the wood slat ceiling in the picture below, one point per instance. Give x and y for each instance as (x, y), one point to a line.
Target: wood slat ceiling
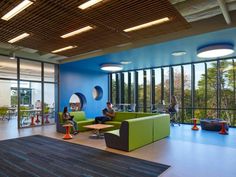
(47, 20)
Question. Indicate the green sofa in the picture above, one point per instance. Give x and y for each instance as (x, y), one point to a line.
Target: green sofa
(139, 131)
(79, 118)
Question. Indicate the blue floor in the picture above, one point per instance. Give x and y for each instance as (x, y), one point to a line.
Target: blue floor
(184, 133)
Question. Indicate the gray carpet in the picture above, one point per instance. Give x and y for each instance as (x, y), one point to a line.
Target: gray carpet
(42, 156)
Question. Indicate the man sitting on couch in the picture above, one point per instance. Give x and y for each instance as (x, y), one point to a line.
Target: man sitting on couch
(108, 114)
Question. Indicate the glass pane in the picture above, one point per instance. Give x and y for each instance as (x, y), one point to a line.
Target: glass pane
(200, 113)
(140, 91)
(212, 85)
(227, 84)
(49, 103)
(166, 86)
(126, 87)
(200, 84)
(30, 70)
(158, 86)
(187, 86)
(8, 68)
(113, 89)
(148, 96)
(132, 87)
(177, 84)
(30, 104)
(49, 72)
(228, 115)
(187, 115)
(211, 113)
(8, 99)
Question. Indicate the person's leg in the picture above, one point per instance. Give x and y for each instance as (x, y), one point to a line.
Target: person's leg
(73, 123)
(104, 119)
(97, 120)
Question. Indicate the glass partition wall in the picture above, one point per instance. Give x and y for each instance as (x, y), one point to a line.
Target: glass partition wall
(28, 90)
(203, 89)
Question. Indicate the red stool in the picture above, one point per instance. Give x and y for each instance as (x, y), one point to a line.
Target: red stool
(32, 121)
(67, 135)
(195, 124)
(37, 119)
(223, 131)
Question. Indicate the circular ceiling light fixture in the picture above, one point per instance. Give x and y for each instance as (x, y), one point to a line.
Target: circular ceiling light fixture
(178, 53)
(111, 67)
(215, 50)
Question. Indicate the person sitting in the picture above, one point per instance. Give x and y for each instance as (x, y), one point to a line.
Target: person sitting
(67, 118)
(108, 114)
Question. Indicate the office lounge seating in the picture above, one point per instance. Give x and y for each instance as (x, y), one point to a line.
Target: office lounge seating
(79, 118)
(137, 132)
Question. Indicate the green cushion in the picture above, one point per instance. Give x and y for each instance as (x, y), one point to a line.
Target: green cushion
(60, 117)
(121, 116)
(140, 132)
(161, 127)
(142, 114)
(78, 115)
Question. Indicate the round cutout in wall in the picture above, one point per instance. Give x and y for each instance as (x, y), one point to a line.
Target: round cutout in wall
(97, 93)
(77, 102)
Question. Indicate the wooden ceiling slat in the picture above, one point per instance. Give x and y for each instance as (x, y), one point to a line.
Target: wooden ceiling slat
(47, 20)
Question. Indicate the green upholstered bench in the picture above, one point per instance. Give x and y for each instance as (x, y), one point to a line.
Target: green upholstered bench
(79, 118)
(138, 132)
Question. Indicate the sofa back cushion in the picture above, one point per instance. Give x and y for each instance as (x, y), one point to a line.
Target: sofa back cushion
(142, 114)
(78, 115)
(140, 132)
(121, 116)
(60, 117)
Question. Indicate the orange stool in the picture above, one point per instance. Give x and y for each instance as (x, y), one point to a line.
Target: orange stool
(67, 135)
(195, 124)
(223, 131)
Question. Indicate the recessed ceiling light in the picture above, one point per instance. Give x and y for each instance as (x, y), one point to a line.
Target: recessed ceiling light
(63, 49)
(215, 50)
(20, 7)
(146, 25)
(111, 67)
(178, 53)
(89, 4)
(125, 62)
(22, 36)
(81, 30)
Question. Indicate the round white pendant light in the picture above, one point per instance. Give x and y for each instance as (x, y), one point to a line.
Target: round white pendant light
(111, 67)
(215, 51)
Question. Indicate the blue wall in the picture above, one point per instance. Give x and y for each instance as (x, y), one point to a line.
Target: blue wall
(73, 78)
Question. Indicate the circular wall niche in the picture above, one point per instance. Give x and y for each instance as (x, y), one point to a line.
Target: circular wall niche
(77, 102)
(97, 93)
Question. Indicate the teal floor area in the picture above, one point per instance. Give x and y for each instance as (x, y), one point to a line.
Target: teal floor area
(184, 133)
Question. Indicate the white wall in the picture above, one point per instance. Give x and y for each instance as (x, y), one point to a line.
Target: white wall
(5, 93)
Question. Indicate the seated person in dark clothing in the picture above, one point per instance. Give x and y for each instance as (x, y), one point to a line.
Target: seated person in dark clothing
(68, 119)
(108, 114)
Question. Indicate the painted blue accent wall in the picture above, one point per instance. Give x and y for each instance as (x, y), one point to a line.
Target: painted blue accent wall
(74, 78)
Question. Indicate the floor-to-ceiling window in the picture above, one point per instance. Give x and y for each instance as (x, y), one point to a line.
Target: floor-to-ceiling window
(24, 87)
(203, 89)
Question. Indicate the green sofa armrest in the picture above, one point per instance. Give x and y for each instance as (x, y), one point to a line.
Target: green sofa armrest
(161, 126)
